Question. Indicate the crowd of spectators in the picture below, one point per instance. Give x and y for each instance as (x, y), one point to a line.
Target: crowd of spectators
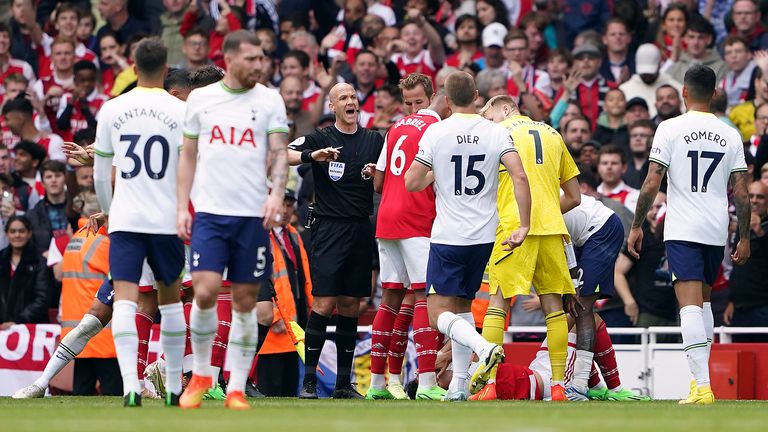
(604, 73)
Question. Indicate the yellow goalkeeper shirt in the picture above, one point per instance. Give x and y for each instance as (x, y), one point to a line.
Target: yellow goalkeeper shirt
(548, 164)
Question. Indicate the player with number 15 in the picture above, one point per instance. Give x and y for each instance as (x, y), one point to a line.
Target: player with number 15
(461, 156)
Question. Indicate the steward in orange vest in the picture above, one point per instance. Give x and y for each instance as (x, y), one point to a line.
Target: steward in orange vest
(85, 267)
(278, 365)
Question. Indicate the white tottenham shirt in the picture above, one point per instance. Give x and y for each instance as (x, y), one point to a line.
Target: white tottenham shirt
(232, 129)
(142, 131)
(700, 153)
(586, 219)
(464, 152)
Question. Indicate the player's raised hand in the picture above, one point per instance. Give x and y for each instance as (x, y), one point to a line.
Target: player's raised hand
(635, 242)
(184, 224)
(516, 238)
(95, 221)
(273, 208)
(76, 155)
(742, 252)
(326, 154)
(761, 59)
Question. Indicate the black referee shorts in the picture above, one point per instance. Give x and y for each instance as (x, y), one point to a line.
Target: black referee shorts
(342, 256)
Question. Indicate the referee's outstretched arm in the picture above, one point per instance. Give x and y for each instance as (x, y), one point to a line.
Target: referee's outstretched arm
(296, 157)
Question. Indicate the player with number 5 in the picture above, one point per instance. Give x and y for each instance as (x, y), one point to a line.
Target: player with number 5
(233, 129)
(141, 131)
(461, 156)
(700, 155)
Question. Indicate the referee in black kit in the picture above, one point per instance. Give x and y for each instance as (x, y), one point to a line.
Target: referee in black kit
(344, 159)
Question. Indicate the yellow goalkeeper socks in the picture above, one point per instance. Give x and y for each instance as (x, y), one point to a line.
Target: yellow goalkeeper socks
(493, 325)
(557, 343)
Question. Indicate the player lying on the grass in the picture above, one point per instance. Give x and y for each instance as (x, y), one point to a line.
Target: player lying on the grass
(517, 382)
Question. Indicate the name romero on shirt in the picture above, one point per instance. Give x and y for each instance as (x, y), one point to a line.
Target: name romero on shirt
(705, 135)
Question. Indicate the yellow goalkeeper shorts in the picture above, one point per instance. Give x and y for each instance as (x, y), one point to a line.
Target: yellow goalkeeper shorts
(539, 261)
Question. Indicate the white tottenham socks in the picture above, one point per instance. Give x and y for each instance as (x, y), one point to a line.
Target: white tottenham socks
(72, 345)
(695, 343)
(202, 330)
(709, 325)
(173, 334)
(126, 343)
(241, 349)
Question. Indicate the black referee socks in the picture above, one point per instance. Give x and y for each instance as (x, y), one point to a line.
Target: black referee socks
(346, 337)
(314, 339)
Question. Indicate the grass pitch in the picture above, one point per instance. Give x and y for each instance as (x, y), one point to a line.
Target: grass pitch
(106, 414)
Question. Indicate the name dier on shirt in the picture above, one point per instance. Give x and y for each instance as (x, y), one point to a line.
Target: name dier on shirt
(467, 139)
(143, 112)
(704, 135)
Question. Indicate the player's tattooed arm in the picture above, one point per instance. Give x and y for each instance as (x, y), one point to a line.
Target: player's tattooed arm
(656, 173)
(739, 184)
(278, 156)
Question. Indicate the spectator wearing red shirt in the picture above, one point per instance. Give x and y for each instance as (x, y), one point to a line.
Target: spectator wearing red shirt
(50, 89)
(226, 22)
(9, 65)
(611, 166)
(65, 22)
(48, 217)
(296, 64)
(344, 38)
(412, 57)
(468, 41)
(27, 182)
(18, 116)
(26, 32)
(78, 110)
(364, 70)
(746, 23)
(533, 25)
(112, 59)
(531, 86)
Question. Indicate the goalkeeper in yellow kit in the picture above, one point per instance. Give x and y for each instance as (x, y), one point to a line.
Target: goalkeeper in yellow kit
(541, 259)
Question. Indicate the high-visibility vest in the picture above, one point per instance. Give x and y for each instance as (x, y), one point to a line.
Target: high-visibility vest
(84, 267)
(286, 303)
(480, 304)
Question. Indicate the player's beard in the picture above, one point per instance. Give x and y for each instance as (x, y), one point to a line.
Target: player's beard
(249, 79)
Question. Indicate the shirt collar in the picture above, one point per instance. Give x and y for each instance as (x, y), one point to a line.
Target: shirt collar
(427, 111)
